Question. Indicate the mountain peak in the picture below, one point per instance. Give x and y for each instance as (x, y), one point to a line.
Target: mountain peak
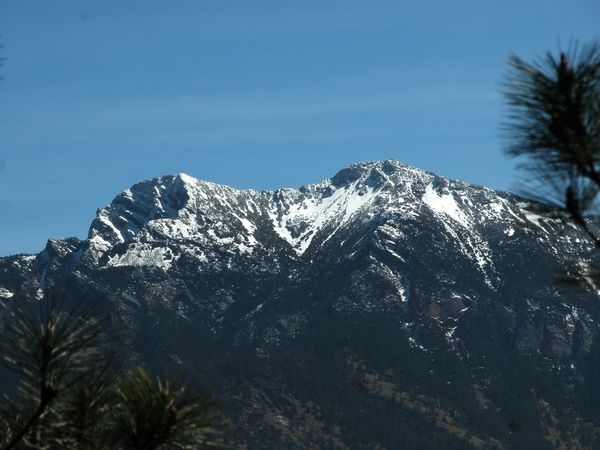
(129, 212)
(183, 208)
(372, 172)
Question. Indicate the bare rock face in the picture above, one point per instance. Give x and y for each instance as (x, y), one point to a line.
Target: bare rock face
(386, 307)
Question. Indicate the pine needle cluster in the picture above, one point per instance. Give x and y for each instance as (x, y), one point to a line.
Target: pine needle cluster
(554, 128)
(74, 392)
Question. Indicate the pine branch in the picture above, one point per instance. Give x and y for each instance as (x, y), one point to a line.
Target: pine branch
(52, 350)
(554, 126)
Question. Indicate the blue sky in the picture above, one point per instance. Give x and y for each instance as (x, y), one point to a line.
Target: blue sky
(98, 95)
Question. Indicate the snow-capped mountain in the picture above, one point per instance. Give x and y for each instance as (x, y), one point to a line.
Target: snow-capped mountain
(384, 298)
(297, 221)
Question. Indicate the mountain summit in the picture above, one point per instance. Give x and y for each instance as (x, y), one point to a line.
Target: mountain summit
(181, 208)
(385, 307)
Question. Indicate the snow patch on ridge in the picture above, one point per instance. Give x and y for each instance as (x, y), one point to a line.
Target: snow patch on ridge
(141, 255)
(444, 204)
(301, 221)
(466, 236)
(5, 293)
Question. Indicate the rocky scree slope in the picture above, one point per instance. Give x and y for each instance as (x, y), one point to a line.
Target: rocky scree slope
(383, 306)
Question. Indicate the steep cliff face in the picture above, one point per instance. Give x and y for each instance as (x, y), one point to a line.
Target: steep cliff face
(380, 305)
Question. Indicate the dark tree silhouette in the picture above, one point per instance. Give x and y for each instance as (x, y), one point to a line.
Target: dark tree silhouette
(72, 393)
(554, 127)
(51, 350)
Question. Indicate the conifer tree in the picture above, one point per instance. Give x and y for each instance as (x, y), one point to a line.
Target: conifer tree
(554, 127)
(72, 393)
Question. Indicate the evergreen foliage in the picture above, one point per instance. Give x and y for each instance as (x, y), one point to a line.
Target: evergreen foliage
(554, 125)
(151, 412)
(71, 393)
